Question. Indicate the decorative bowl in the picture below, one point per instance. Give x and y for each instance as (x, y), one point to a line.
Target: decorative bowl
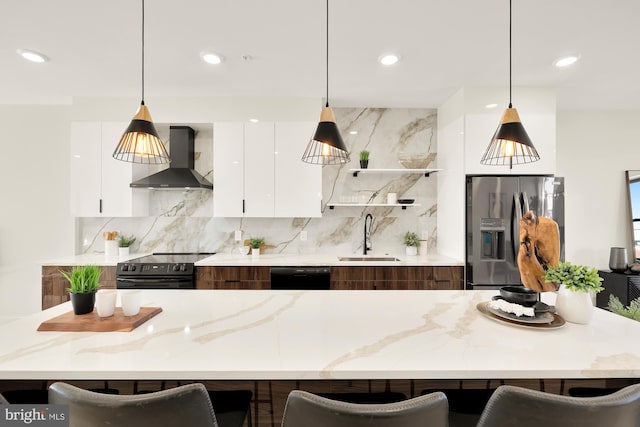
(406, 201)
(413, 160)
(519, 295)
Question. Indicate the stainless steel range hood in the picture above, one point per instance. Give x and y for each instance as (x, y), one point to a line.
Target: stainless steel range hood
(181, 172)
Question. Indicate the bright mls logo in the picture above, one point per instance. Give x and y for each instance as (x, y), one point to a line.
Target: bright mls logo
(34, 415)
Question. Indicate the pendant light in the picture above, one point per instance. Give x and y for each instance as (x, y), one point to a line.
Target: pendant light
(140, 142)
(326, 147)
(510, 143)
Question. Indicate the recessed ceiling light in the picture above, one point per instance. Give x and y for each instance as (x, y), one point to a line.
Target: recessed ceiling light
(254, 120)
(211, 57)
(389, 59)
(353, 132)
(566, 61)
(491, 105)
(32, 55)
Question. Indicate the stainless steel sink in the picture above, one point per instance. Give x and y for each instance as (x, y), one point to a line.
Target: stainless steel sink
(368, 258)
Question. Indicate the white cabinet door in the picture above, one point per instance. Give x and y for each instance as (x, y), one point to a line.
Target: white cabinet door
(116, 174)
(259, 169)
(99, 183)
(298, 185)
(228, 169)
(86, 169)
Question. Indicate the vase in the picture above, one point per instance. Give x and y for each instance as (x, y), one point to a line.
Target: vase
(575, 307)
(364, 164)
(411, 250)
(83, 303)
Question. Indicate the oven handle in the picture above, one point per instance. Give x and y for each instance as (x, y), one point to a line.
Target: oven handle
(153, 279)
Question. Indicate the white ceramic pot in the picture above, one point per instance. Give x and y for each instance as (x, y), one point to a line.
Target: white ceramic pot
(575, 307)
(123, 252)
(255, 252)
(411, 250)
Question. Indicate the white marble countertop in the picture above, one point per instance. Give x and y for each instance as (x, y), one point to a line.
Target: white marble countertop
(264, 334)
(273, 260)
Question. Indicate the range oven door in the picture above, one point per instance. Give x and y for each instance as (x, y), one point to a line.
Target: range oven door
(155, 282)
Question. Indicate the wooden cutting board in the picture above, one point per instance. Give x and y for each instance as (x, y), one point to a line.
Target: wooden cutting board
(91, 322)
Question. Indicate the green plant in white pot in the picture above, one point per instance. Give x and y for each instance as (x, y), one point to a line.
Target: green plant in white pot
(576, 284)
(256, 243)
(124, 245)
(84, 281)
(411, 243)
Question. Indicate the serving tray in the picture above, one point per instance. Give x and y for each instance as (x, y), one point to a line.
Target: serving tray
(555, 320)
(91, 322)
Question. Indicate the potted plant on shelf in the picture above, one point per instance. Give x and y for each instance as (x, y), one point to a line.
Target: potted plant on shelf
(411, 242)
(256, 243)
(576, 283)
(84, 282)
(124, 243)
(364, 159)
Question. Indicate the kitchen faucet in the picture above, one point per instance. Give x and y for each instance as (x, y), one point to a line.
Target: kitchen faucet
(367, 233)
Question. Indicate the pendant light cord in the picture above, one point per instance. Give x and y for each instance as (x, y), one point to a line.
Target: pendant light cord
(510, 54)
(142, 52)
(327, 53)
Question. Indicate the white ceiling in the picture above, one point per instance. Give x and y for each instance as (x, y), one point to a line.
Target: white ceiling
(94, 48)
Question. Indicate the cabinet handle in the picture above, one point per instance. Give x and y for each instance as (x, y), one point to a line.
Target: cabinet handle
(242, 205)
(100, 207)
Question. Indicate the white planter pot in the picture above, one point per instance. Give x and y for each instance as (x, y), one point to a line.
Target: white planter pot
(123, 252)
(411, 250)
(255, 252)
(575, 307)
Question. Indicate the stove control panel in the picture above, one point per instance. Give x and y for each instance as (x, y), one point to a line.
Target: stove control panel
(153, 269)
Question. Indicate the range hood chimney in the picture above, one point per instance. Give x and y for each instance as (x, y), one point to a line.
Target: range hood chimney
(181, 173)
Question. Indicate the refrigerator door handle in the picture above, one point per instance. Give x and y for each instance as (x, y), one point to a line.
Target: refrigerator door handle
(525, 203)
(516, 216)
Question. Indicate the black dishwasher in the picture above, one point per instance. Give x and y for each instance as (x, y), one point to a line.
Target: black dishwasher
(301, 278)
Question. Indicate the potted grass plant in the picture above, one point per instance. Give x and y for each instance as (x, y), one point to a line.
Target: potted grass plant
(83, 284)
(364, 159)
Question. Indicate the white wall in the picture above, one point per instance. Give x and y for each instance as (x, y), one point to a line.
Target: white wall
(594, 149)
(35, 224)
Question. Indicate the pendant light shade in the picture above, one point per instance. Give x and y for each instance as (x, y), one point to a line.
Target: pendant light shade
(510, 143)
(140, 142)
(326, 147)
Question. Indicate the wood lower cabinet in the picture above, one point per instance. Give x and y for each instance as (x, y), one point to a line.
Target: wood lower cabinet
(54, 285)
(399, 278)
(245, 277)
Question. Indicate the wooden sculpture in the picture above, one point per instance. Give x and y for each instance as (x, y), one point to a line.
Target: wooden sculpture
(539, 248)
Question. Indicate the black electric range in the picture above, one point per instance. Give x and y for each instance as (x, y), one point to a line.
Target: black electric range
(160, 270)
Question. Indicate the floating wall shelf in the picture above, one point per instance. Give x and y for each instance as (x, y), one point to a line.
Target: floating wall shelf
(426, 172)
(402, 205)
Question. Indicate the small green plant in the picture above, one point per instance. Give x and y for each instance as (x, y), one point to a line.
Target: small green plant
(632, 312)
(574, 277)
(411, 239)
(83, 279)
(126, 241)
(364, 155)
(256, 242)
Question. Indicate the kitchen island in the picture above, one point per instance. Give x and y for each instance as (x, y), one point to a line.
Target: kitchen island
(295, 335)
(274, 341)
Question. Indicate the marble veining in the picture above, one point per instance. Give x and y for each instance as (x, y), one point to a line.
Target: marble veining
(182, 220)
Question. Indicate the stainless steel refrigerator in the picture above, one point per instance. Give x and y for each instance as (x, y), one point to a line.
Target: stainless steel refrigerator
(494, 206)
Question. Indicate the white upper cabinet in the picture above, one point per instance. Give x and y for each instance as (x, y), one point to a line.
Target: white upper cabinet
(298, 184)
(258, 172)
(99, 183)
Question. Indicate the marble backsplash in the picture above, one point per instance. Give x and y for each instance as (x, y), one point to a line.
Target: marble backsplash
(389, 134)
